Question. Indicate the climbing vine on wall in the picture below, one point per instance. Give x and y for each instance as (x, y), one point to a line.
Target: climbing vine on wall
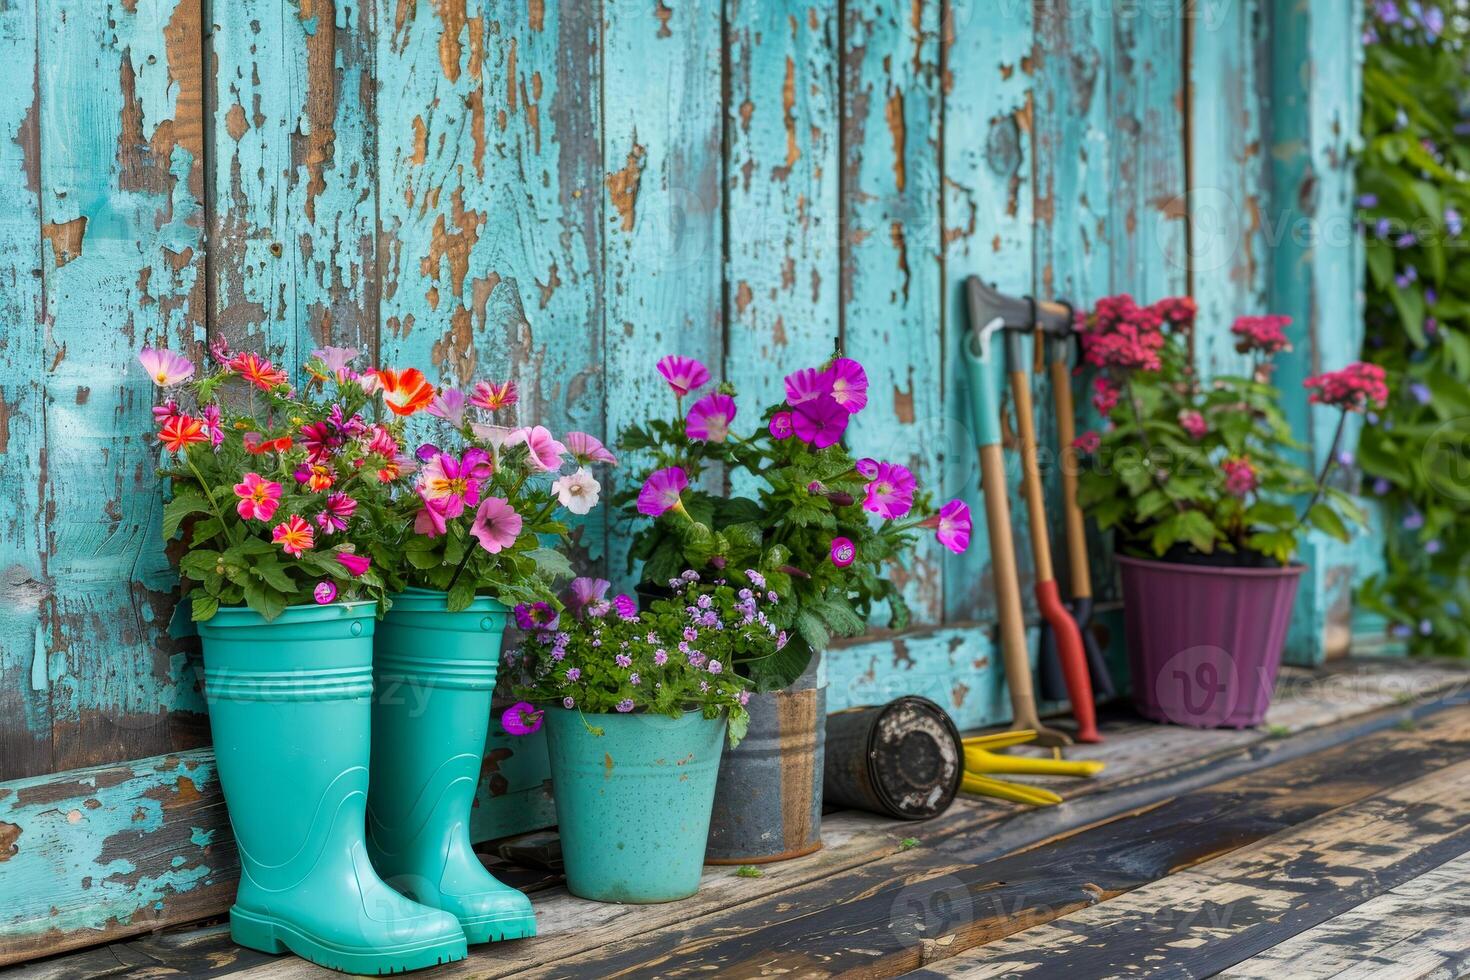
(1414, 185)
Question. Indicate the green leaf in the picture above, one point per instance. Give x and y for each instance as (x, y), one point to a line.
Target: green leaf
(461, 595)
(185, 501)
(551, 564)
(272, 574)
(197, 564)
(204, 605)
(1325, 519)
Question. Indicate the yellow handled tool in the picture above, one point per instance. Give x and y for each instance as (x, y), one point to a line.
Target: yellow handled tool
(982, 757)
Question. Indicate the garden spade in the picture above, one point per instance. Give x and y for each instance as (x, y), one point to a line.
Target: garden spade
(1048, 598)
(985, 418)
(1080, 576)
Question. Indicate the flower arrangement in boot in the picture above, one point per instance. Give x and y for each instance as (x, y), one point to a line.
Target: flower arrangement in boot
(817, 524)
(1187, 470)
(278, 490)
(485, 494)
(681, 654)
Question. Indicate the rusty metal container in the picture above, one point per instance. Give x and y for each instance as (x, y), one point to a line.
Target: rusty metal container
(768, 802)
(902, 759)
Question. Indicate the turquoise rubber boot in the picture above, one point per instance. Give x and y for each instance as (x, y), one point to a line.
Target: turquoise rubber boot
(435, 674)
(290, 705)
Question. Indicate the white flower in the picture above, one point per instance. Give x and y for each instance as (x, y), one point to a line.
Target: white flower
(577, 491)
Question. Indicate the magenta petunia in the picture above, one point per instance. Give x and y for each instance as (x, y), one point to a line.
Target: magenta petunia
(867, 467)
(890, 494)
(545, 451)
(433, 517)
(338, 511)
(843, 552)
(521, 718)
(325, 592)
(710, 417)
(849, 384)
(952, 526)
(356, 565)
(449, 405)
(781, 426)
(820, 421)
(536, 616)
(661, 491)
(587, 449)
(684, 374)
(497, 525)
(583, 592)
(807, 385)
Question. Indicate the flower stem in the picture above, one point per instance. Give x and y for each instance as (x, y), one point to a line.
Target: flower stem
(1148, 451)
(469, 551)
(1326, 469)
(209, 496)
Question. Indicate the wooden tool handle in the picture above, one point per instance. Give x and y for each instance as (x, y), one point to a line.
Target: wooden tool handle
(1031, 476)
(1081, 575)
(1007, 588)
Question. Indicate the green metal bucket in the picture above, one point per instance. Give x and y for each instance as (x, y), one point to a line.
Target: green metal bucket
(289, 705)
(633, 803)
(435, 676)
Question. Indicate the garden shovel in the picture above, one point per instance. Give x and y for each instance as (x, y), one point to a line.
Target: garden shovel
(985, 419)
(1048, 598)
(1053, 686)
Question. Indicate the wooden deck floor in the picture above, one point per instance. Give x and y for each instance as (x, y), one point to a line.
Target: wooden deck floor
(1334, 842)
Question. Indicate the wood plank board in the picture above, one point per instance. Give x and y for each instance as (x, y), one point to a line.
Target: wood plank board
(1418, 929)
(1204, 919)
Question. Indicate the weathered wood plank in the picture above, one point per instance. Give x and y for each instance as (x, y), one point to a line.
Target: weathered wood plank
(892, 915)
(663, 204)
(1416, 930)
(891, 295)
(293, 262)
(1204, 919)
(122, 185)
(25, 710)
(987, 208)
(112, 851)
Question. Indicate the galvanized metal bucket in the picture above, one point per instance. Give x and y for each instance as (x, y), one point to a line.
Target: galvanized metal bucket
(902, 759)
(768, 802)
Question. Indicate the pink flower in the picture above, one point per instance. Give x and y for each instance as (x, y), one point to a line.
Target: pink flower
(807, 385)
(585, 591)
(209, 416)
(521, 718)
(456, 480)
(1087, 442)
(536, 616)
(339, 509)
(545, 451)
(1122, 334)
(1352, 389)
(661, 491)
(449, 405)
(1178, 311)
(334, 362)
(891, 493)
(497, 437)
(1266, 334)
(319, 440)
(356, 565)
(710, 417)
(951, 526)
(293, 535)
(168, 410)
(587, 449)
(867, 467)
(259, 497)
(843, 552)
(1105, 394)
(165, 367)
(325, 592)
(1193, 423)
(433, 518)
(849, 384)
(819, 421)
(1240, 476)
(494, 395)
(497, 525)
(683, 374)
(781, 426)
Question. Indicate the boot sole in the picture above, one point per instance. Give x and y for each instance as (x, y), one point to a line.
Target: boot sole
(494, 929)
(272, 935)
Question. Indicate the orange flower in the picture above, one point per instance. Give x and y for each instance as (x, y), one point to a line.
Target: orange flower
(179, 431)
(294, 535)
(258, 371)
(256, 444)
(405, 392)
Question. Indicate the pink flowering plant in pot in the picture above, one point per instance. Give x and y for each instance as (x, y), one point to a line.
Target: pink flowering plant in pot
(818, 522)
(488, 498)
(275, 492)
(1203, 486)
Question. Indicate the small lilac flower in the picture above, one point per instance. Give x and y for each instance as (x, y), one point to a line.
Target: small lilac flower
(744, 698)
(634, 679)
(574, 674)
(1433, 546)
(1382, 228)
(1367, 200)
(1345, 458)
(1413, 521)
(625, 705)
(756, 578)
(1453, 222)
(660, 656)
(781, 640)
(1406, 240)
(568, 702)
(1425, 627)
(1381, 486)
(623, 660)
(715, 667)
(1420, 392)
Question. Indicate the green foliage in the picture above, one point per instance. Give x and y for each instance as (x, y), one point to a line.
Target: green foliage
(1414, 178)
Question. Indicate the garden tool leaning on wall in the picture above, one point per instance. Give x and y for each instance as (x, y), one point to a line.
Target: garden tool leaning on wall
(983, 758)
(1049, 668)
(985, 418)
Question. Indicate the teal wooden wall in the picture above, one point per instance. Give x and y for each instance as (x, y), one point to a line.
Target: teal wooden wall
(559, 192)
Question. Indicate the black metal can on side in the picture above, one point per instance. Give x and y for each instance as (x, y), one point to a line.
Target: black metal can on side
(902, 759)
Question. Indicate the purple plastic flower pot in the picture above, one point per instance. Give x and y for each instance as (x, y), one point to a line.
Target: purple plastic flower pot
(1204, 641)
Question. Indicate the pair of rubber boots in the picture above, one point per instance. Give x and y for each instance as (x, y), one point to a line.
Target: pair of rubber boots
(300, 708)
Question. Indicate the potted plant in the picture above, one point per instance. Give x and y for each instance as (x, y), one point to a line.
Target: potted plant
(468, 542)
(636, 707)
(1200, 483)
(278, 494)
(811, 525)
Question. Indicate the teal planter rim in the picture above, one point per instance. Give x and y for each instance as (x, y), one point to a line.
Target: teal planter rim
(555, 705)
(434, 600)
(306, 612)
